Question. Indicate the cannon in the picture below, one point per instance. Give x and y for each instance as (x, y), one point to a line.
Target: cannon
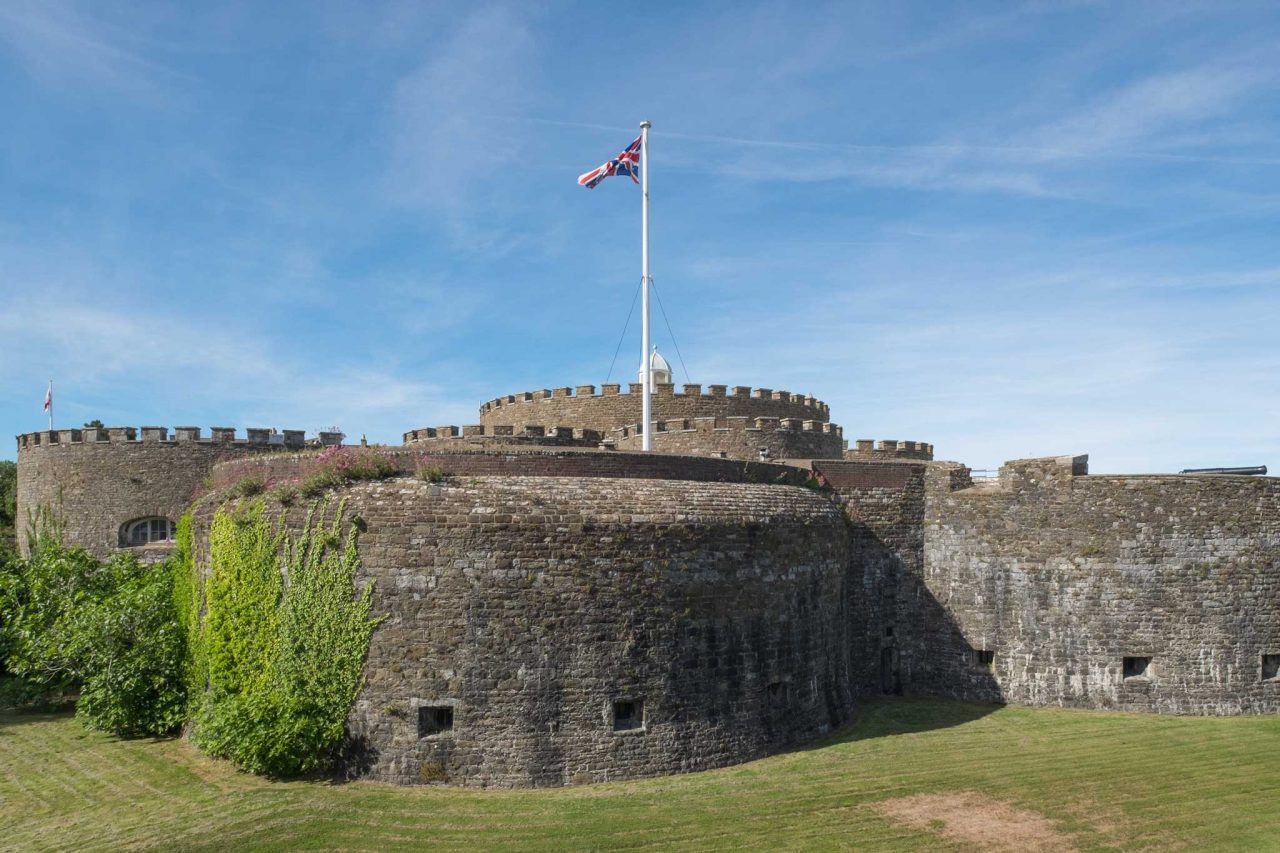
(1258, 471)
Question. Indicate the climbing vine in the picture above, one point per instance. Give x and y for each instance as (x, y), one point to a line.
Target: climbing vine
(282, 643)
(188, 605)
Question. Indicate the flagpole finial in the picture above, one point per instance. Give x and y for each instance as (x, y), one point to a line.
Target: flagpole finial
(644, 125)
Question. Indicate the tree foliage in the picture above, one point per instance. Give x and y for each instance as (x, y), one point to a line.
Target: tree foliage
(107, 629)
(269, 646)
(8, 508)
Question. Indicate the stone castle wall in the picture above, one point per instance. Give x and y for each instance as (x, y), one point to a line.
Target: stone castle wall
(100, 479)
(738, 438)
(534, 575)
(452, 458)
(867, 449)
(529, 606)
(480, 435)
(1061, 577)
(583, 408)
(884, 504)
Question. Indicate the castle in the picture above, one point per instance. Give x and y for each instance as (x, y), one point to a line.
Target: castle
(560, 608)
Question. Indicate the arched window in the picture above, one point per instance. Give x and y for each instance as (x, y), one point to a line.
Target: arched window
(144, 531)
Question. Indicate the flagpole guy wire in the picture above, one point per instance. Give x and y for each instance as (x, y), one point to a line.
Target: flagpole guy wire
(666, 319)
(623, 336)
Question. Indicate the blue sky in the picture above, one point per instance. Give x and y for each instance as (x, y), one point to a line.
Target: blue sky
(1008, 229)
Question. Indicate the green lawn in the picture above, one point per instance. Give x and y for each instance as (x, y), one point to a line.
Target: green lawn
(1102, 781)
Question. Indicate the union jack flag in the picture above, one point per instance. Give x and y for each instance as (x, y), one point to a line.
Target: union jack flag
(626, 163)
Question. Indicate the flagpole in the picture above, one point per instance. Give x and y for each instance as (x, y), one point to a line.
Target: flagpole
(646, 416)
(50, 405)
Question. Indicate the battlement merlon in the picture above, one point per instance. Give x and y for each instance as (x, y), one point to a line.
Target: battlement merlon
(1045, 472)
(688, 390)
(502, 431)
(732, 423)
(254, 436)
(866, 448)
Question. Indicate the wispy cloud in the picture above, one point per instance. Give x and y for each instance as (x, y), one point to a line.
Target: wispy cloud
(1143, 112)
(62, 46)
(94, 349)
(448, 156)
(1148, 119)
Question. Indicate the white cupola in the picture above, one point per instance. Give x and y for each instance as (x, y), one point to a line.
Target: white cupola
(661, 370)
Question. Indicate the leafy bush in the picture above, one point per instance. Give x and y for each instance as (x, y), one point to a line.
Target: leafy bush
(285, 495)
(45, 612)
(337, 466)
(430, 473)
(283, 659)
(131, 660)
(8, 508)
(249, 486)
(108, 629)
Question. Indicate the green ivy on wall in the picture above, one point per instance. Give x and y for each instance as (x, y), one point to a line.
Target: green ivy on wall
(281, 646)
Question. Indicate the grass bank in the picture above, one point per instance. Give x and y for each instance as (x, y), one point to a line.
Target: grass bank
(909, 774)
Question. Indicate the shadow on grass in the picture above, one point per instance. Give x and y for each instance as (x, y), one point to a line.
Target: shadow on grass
(14, 717)
(887, 716)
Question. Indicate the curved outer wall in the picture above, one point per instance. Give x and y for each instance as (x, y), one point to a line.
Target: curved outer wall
(100, 479)
(738, 438)
(1063, 576)
(581, 407)
(531, 604)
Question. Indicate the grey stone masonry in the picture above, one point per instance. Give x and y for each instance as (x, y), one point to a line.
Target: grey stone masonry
(530, 612)
(98, 480)
(1062, 577)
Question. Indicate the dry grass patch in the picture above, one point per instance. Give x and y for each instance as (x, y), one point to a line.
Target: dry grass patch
(971, 818)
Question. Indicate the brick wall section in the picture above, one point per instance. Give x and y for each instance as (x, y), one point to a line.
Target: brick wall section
(530, 604)
(738, 438)
(459, 459)
(615, 406)
(100, 479)
(1063, 575)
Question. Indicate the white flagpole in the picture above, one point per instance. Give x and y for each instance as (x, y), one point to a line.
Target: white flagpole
(646, 417)
(50, 405)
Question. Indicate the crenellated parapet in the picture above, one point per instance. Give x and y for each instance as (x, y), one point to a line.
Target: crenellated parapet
(536, 434)
(866, 449)
(617, 405)
(102, 479)
(738, 437)
(258, 436)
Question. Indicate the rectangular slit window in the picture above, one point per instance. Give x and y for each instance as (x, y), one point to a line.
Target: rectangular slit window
(984, 657)
(434, 719)
(1270, 667)
(778, 692)
(1136, 667)
(628, 715)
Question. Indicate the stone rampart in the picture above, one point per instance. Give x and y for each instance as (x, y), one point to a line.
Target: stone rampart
(98, 480)
(480, 435)
(866, 448)
(582, 408)
(736, 437)
(889, 611)
(546, 631)
(459, 459)
(1148, 593)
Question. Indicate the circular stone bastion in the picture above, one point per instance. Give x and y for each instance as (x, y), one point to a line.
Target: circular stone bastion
(551, 630)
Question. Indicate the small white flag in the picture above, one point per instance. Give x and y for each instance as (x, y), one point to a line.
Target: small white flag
(48, 397)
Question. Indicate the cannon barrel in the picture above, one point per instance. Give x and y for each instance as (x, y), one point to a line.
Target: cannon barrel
(1258, 471)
